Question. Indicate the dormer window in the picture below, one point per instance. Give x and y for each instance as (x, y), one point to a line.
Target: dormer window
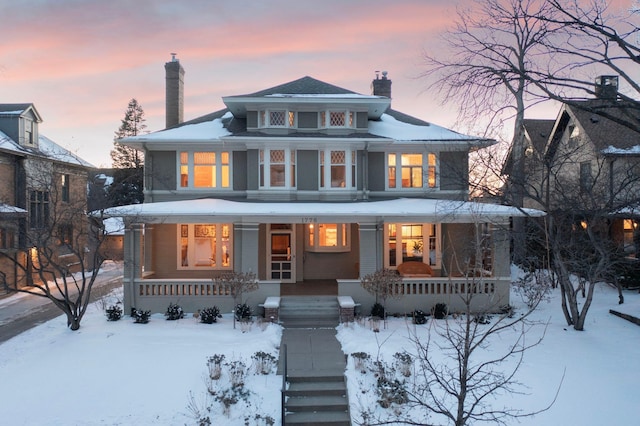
(277, 118)
(333, 118)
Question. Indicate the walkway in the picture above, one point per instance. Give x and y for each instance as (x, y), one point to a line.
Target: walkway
(313, 351)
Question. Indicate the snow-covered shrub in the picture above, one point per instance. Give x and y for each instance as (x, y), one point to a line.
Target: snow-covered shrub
(214, 363)
(140, 316)
(360, 360)
(404, 361)
(210, 315)
(377, 310)
(264, 362)
(419, 317)
(243, 312)
(114, 313)
(174, 312)
(237, 373)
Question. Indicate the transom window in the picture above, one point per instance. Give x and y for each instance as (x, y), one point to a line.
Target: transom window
(411, 242)
(205, 246)
(335, 167)
(205, 169)
(328, 237)
(406, 170)
(277, 168)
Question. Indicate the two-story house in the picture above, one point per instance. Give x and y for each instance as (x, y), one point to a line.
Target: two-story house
(307, 183)
(586, 161)
(42, 197)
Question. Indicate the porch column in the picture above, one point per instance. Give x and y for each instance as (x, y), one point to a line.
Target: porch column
(132, 263)
(245, 247)
(501, 256)
(370, 244)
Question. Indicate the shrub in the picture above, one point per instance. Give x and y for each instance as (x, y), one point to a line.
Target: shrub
(210, 315)
(419, 317)
(174, 312)
(214, 364)
(440, 311)
(114, 313)
(264, 362)
(139, 316)
(377, 310)
(243, 312)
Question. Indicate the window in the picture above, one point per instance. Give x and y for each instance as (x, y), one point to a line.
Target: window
(39, 209)
(411, 242)
(337, 119)
(277, 168)
(276, 118)
(328, 237)
(65, 235)
(7, 238)
(336, 175)
(65, 188)
(205, 246)
(205, 169)
(410, 167)
(28, 130)
(585, 176)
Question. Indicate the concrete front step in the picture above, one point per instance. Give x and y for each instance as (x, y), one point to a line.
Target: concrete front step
(336, 388)
(328, 418)
(289, 322)
(297, 404)
(309, 312)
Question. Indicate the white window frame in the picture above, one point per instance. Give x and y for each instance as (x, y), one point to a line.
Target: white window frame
(431, 251)
(290, 118)
(191, 247)
(264, 172)
(343, 238)
(427, 170)
(324, 119)
(220, 167)
(350, 169)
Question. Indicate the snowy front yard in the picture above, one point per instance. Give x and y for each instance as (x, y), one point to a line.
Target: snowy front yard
(121, 373)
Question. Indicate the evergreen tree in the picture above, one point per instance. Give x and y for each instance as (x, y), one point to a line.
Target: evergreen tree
(128, 180)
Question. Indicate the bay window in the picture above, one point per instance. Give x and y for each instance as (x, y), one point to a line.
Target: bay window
(205, 169)
(276, 118)
(277, 168)
(328, 237)
(205, 246)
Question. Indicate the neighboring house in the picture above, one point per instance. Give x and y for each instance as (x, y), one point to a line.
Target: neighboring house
(309, 182)
(587, 164)
(39, 179)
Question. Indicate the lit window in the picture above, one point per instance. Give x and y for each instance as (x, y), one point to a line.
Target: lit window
(431, 175)
(336, 175)
(328, 237)
(205, 169)
(276, 118)
(411, 168)
(411, 242)
(292, 119)
(204, 246)
(281, 167)
(337, 118)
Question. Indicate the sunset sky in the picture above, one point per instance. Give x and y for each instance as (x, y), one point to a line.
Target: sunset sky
(81, 61)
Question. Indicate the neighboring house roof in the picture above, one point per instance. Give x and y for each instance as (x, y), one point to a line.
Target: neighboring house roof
(223, 125)
(607, 135)
(538, 132)
(19, 109)
(47, 148)
(8, 145)
(403, 209)
(9, 210)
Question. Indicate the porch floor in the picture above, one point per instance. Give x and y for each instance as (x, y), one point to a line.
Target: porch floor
(310, 288)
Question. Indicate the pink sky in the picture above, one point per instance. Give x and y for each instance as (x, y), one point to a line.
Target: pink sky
(80, 62)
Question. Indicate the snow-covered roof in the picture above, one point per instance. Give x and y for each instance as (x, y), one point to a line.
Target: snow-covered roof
(205, 131)
(389, 127)
(56, 152)
(9, 209)
(211, 210)
(113, 226)
(612, 150)
(8, 145)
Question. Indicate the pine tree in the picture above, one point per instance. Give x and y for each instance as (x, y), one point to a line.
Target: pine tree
(128, 180)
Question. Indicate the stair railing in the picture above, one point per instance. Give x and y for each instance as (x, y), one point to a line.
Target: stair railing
(283, 349)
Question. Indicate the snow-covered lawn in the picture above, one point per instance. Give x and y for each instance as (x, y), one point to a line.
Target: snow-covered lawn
(121, 373)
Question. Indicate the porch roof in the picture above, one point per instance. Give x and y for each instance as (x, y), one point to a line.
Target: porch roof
(212, 210)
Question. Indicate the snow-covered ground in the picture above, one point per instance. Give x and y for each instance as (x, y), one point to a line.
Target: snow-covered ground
(121, 373)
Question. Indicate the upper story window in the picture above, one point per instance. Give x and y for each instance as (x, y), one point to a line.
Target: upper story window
(39, 209)
(277, 118)
(333, 118)
(200, 169)
(277, 168)
(64, 183)
(205, 246)
(407, 170)
(337, 169)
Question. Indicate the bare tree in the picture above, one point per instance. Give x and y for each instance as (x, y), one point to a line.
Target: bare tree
(238, 283)
(63, 258)
(382, 284)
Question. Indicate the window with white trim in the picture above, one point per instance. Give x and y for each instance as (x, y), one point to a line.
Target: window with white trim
(337, 169)
(205, 246)
(276, 118)
(205, 169)
(337, 118)
(328, 237)
(407, 170)
(277, 168)
(406, 242)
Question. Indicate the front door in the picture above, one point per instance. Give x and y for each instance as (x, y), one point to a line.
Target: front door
(281, 253)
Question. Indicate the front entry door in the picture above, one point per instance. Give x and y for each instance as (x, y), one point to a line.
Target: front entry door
(281, 253)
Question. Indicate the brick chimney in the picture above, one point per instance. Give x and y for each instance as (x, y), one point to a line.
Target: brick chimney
(606, 87)
(381, 86)
(174, 106)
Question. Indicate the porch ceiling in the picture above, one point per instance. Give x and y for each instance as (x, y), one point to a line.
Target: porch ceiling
(211, 210)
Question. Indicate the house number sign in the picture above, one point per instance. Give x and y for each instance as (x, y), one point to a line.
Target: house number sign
(309, 220)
